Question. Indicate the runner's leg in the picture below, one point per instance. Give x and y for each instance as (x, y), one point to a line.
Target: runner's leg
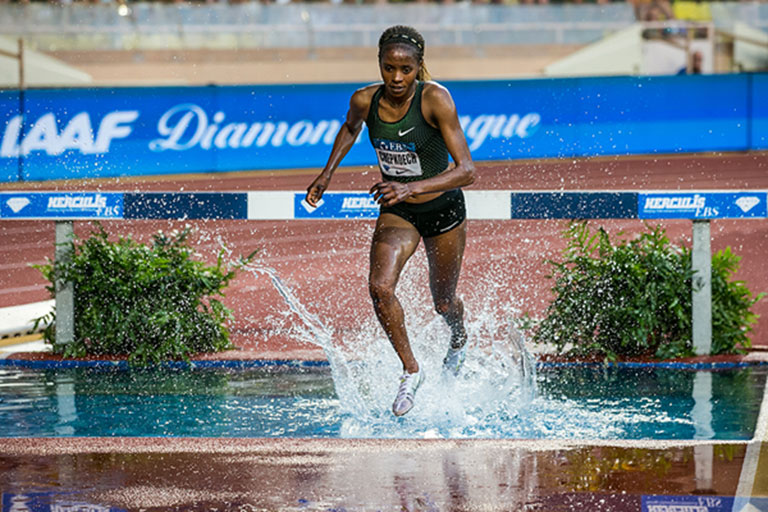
(444, 254)
(394, 242)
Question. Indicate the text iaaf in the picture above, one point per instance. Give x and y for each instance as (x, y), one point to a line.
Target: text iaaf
(188, 126)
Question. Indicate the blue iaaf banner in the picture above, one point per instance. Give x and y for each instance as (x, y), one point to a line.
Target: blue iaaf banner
(100, 132)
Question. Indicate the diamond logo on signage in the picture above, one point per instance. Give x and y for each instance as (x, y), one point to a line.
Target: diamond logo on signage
(17, 203)
(747, 203)
(309, 207)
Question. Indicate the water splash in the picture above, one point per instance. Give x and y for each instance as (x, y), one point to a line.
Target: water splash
(496, 385)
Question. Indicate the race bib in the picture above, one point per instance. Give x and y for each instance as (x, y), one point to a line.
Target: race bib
(397, 158)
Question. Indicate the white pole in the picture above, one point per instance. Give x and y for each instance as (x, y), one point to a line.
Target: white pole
(702, 288)
(65, 292)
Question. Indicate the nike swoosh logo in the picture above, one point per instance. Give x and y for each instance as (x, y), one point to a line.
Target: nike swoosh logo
(400, 133)
(450, 227)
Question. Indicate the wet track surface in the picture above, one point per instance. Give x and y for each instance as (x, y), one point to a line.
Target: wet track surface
(162, 474)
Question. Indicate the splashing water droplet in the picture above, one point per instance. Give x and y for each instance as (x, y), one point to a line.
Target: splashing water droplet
(496, 384)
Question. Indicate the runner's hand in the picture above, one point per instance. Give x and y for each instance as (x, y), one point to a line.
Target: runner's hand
(316, 189)
(387, 193)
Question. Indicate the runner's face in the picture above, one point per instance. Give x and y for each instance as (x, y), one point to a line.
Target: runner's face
(399, 67)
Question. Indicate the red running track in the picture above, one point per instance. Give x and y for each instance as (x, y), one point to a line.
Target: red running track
(326, 262)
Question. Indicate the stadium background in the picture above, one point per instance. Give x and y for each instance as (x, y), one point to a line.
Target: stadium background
(192, 44)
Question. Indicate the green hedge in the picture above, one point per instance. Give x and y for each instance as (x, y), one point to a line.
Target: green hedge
(150, 303)
(632, 298)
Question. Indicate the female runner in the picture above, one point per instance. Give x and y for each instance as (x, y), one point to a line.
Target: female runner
(413, 126)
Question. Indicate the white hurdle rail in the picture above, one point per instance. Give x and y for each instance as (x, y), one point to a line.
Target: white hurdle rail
(698, 206)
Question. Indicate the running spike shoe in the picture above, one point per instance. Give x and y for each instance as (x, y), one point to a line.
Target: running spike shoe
(409, 383)
(454, 360)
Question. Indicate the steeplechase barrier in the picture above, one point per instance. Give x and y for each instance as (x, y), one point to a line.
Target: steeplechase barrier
(698, 206)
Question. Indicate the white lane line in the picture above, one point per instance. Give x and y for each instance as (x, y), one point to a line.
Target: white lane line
(761, 429)
(752, 455)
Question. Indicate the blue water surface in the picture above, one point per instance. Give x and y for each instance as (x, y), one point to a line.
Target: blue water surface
(573, 402)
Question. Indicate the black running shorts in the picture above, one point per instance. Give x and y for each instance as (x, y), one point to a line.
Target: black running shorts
(435, 217)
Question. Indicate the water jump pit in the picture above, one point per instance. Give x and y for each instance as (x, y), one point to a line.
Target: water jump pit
(559, 402)
(507, 434)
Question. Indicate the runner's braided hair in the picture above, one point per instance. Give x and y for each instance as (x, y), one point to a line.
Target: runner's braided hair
(409, 36)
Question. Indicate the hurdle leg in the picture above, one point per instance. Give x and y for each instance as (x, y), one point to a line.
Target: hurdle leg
(702, 288)
(65, 291)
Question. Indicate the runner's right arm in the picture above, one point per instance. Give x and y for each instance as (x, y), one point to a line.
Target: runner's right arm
(348, 133)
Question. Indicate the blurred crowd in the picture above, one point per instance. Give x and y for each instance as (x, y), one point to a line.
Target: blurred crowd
(645, 10)
(642, 5)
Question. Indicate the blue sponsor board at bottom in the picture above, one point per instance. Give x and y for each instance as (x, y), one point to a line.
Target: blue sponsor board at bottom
(687, 504)
(337, 205)
(57, 205)
(702, 205)
(703, 504)
(49, 502)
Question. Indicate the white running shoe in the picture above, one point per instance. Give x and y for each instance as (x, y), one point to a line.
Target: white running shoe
(454, 359)
(409, 383)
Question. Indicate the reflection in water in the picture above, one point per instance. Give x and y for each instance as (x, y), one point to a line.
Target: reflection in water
(65, 401)
(411, 500)
(352, 475)
(703, 456)
(701, 414)
(455, 478)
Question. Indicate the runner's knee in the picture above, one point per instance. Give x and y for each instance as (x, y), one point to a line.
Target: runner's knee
(381, 292)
